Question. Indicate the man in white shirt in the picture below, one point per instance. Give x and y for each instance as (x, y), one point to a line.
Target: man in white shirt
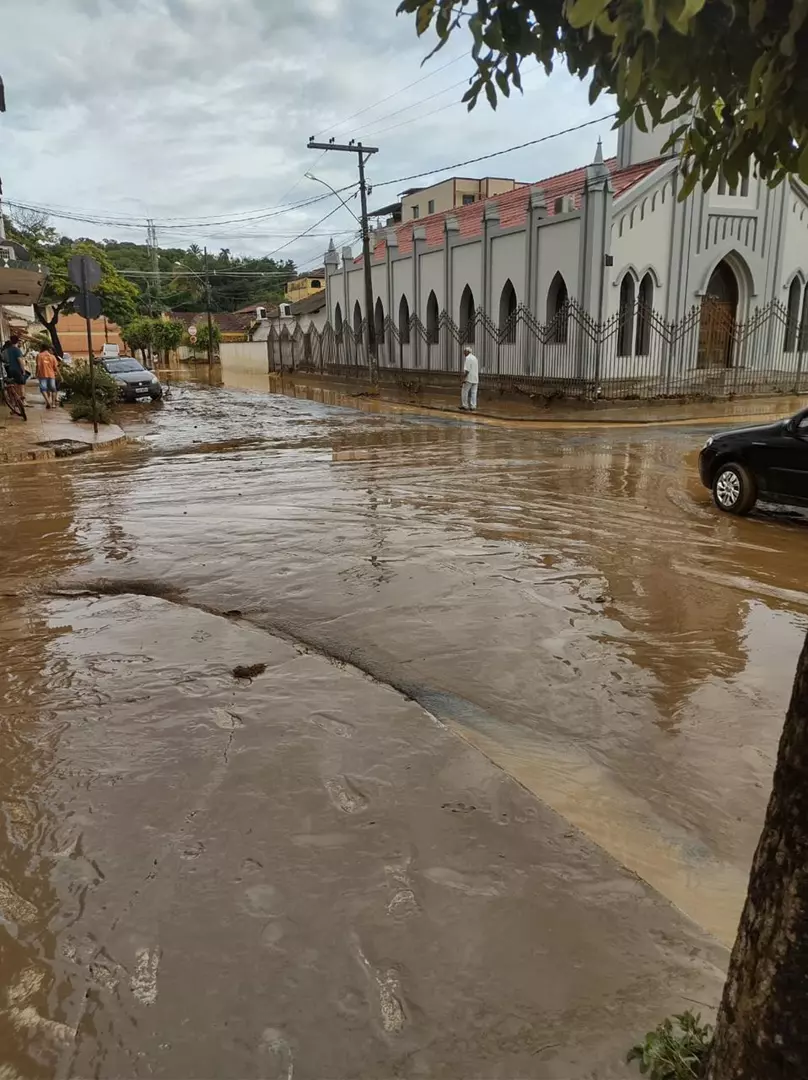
(471, 380)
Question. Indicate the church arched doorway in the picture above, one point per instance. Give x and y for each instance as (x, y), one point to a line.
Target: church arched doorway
(719, 313)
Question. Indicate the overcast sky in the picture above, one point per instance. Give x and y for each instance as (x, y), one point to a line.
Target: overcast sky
(198, 109)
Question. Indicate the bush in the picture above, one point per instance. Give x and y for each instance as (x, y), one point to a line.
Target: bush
(675, 1050)
(76, 381)
(82, 409)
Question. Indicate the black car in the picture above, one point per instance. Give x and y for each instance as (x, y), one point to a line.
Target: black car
(136, 382)
(768, 462)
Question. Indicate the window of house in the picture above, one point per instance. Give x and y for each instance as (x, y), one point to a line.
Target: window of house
(431, 206)
(315, 283)
(468, 200)
(416, 211)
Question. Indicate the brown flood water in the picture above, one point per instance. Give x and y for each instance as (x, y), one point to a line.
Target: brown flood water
(566, 600)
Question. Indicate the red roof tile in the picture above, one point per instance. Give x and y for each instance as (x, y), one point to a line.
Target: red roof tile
(513, 205)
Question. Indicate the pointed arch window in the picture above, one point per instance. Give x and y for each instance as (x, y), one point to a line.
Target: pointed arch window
(507, 312)
(557, 311)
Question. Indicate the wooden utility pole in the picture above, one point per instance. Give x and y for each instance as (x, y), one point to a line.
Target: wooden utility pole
(370, 328)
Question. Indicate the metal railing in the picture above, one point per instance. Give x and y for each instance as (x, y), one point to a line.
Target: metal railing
(633, 354)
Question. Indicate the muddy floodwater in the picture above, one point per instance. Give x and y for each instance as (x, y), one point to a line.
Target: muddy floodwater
(325, 867)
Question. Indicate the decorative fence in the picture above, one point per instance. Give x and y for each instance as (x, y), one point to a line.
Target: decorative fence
(633, 354)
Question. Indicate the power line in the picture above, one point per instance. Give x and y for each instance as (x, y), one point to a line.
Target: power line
(415, 104)
(495, 153)
(432, 112)
(376, 104)
(246, 217)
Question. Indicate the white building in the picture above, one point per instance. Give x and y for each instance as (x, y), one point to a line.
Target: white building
(597, 274)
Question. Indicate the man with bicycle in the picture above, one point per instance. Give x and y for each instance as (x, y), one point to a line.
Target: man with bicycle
(15, 370)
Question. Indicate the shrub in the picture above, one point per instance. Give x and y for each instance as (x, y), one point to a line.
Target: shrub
(675, 1050)
(76, 381)
(82, 409)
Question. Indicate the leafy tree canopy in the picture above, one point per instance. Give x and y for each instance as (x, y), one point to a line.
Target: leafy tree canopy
(740, 63)
(258, 280)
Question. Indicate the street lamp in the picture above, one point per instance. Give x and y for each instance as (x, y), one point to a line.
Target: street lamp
(310, 176)
(206, 282)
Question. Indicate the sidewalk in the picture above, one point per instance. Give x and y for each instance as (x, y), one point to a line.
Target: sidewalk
(49, 433)
(525, 410)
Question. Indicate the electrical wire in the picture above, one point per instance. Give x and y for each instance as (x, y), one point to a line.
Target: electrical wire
(244, 217)
(495, 153)
(376, 104)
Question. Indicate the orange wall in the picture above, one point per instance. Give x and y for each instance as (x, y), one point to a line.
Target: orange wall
(73, 335)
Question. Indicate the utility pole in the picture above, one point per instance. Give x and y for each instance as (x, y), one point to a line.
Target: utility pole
(370, 332)
(210, 320)
(155, 263)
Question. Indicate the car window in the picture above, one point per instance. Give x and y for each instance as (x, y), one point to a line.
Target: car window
(115, 367)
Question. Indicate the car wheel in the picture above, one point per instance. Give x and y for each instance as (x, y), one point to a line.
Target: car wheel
(734, 489)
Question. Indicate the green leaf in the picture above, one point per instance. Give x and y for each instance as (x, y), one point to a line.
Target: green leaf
(650, 16)
(423, 17)
(635, 73)
(757, 9)
(491, 94)
(581, 13)
(503, 84)
(639, 119)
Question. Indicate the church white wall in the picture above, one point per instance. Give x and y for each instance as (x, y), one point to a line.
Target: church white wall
(795, 248)
(401, 273)
(557, 252)
(431, 281)
(466, 270)
(507, 261)
(641, 241)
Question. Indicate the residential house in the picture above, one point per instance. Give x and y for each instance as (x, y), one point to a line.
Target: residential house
(21, 283)
(72, 330)
(302, 287)
(420, 202)
(311, 312)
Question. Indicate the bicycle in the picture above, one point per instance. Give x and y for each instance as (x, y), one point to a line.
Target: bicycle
(13, 394)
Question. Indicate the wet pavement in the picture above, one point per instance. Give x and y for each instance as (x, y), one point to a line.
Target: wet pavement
(306, 873)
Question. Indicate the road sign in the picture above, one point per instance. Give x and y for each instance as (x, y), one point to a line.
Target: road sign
(88, 305)
(84, 271)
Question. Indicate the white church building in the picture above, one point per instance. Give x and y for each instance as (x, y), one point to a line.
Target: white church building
(598, 278)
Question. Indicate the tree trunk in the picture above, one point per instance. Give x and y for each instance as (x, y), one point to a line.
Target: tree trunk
(50, 326)
(762, 1027)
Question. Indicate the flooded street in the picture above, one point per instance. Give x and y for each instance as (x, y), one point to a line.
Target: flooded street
(312, 870)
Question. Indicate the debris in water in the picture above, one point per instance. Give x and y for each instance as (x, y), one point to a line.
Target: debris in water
(248, 671)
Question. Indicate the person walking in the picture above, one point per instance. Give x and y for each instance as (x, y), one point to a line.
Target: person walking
(471, 380)
(47, 371)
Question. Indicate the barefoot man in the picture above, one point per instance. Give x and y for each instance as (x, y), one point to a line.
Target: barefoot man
(47, 370)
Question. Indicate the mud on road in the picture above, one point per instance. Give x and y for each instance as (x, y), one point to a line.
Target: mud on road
(304, 871)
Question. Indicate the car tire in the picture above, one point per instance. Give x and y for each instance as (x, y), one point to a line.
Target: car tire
(734, 489)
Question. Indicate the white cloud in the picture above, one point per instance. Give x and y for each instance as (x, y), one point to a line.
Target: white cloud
(201, 108)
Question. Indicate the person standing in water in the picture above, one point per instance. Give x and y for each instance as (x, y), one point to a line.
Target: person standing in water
(471, 380)
(47, 371)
